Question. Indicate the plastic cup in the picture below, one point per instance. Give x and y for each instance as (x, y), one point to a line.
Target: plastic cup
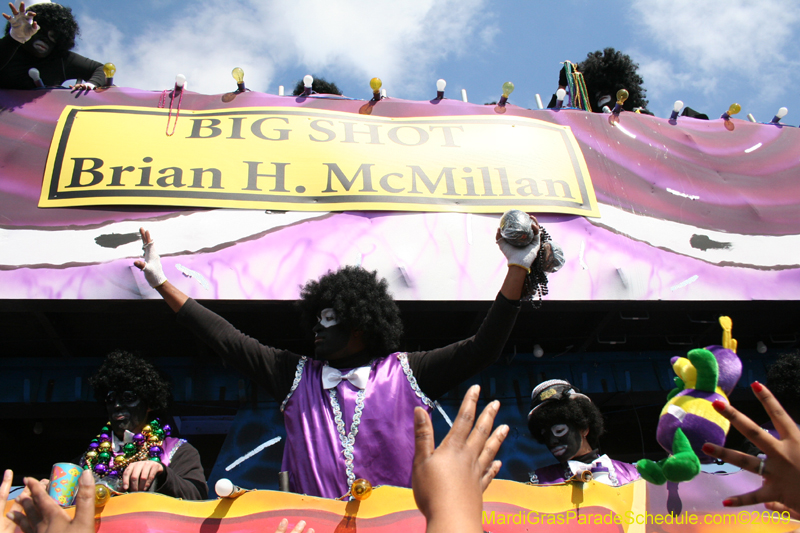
(64, 483)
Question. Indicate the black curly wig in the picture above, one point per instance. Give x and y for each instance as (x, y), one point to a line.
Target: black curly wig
(319, 86)
(607, 72)
(57, 18)
(361, 301)
(783, 379)
(123, 371)
(580, 412)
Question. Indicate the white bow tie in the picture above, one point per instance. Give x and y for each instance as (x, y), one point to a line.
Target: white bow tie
(333, 376)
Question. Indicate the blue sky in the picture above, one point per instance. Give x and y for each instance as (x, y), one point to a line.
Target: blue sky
(708, 53)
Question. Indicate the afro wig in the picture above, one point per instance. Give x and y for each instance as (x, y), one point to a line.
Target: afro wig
(318, 86)
(783, 379)
(59, 19)
(578, 411)
(607, 72)
(361, 301)
(123, 371)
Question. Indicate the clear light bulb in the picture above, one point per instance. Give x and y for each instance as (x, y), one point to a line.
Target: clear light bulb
(508, 88)
(734, 108)
(109, 69)
(538, 351)
(622, 95)
(440, 85)
(561, 94)
(375, 84)
(677, 106)
(238, 74)
(180, 81)
(34, 74)
(308, 80)
(781, 113)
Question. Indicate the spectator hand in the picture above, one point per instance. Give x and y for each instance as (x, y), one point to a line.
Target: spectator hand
(23, 27)
(449, 481)
(298, 528)
(781, 469)
(85, 86)
(43, 514)
(151, 266)
(138, 476)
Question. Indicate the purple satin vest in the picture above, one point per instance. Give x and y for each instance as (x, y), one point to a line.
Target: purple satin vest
(383, 451)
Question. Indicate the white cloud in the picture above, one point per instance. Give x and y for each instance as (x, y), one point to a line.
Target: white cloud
(400, 42)
(713, 42)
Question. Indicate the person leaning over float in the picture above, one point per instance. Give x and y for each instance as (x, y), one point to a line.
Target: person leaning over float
(570, 425)
(349, 408)
(42, 38)
(134, 451)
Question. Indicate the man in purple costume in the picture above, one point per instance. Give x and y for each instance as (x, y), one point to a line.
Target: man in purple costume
(349, 409)
(570, 425)
(132, 391)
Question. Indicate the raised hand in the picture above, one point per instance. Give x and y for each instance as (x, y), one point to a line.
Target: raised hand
(23, 27)
(43, 514)
(781, 468)
(151, 266)
(449, 481)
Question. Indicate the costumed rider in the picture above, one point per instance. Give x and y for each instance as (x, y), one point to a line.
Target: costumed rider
(570, 425)
(134, 451)
(41, 38)
(349, 408)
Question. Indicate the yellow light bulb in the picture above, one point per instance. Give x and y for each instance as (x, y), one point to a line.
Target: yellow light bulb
(361, 489)
(734, 108)
(508, 88)
(238, 74)
(109, 70)
(101, 495)
(375, 84)
(622, 95)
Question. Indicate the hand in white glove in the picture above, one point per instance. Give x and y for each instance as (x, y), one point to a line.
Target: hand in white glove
(151, 266)
(23, 27)
(521, 257)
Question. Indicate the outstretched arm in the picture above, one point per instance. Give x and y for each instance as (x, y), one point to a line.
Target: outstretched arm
(437, 371)
(272, 368)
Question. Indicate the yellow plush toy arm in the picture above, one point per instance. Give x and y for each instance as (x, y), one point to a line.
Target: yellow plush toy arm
(686, 371)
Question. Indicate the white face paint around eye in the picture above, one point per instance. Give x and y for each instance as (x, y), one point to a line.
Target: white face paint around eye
(559, 430)
(327, 318)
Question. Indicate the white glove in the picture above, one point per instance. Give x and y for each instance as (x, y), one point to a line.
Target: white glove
(23, 27)
(521, 257)
(153, 272)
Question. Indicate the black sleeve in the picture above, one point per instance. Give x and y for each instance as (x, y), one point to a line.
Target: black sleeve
(8, 47)
(184, 477)
(79, 67)
(438, 371)
(271, 368)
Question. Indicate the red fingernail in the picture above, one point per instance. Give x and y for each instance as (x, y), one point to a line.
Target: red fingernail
(708, 448)
(727, 503)
(719, 405)
(756, 386)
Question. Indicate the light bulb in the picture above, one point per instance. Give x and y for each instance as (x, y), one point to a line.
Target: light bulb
(781, 113)
(561, 94)
(508, 88)
(109, 69)
(440, 85)
(238, 75)
(734, 108)
(677, 106)
(308, 80)
(34, 74)
(538, 351)
(761, 347)
(375, 84)
(622, 95)
(180, 81)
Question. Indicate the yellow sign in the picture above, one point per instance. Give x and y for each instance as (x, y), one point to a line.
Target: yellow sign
(295, 159)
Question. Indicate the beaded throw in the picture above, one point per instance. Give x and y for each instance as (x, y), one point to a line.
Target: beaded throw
(148, 445)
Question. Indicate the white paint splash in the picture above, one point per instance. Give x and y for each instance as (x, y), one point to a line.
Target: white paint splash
(251, 453)
(684, 283)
